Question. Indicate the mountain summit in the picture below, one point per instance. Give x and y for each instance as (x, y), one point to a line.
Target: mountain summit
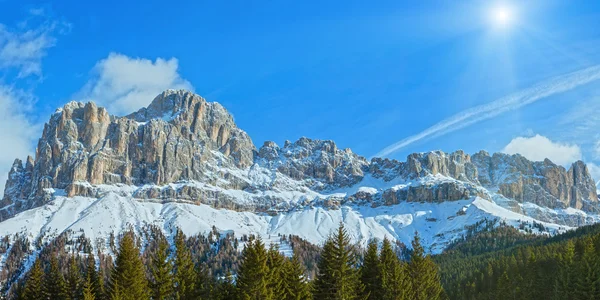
(184, 150)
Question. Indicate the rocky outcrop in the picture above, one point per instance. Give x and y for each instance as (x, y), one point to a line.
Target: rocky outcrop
(171, 140)
(318, 160)
(183, 148)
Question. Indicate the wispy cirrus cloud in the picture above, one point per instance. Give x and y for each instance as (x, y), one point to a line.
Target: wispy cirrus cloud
(483, 112)
(22, 47)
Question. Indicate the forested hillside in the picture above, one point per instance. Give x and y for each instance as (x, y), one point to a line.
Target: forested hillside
(212, 268)
(504, 263)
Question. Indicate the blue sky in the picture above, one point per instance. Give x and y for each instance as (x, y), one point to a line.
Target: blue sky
(366, 75)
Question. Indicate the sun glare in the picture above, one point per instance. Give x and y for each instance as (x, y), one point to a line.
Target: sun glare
(502, 16)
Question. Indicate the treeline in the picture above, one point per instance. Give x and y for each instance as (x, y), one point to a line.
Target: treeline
(342, 272)
(504, 263)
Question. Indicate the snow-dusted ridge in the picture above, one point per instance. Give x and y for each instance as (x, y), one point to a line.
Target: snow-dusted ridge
(183, 162)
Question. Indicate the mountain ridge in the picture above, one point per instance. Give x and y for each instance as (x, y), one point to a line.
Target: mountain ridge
(184, 150)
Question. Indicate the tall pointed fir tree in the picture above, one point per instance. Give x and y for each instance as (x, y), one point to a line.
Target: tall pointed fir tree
(370, 272)
(56, 287)
(184, 275)
(253, 273)
(394, 282)
(74, 281)
(226, 288)
(161, 272)
(96, 278)
(88, 288)
(423, 273)
(34, 285)
(587, 284)
(295, 284)
(275, 264)
(128, 278)
(338, 277)
(566, 273)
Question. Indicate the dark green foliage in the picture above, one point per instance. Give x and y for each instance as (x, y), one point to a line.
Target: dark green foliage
(184, 275)
(423, 273)
(370, 272)
(565, 266)
(394, 282)
(88, 289)
(128, 279)
(161, 272)
(294, 278)
(252, 280)
(56, 287)
(34, 286)
(74, 279)
(338, 277)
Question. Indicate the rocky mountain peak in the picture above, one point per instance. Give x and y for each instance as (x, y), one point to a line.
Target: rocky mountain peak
(182, 147)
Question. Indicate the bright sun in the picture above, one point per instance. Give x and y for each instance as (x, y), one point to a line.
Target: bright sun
(502, 16)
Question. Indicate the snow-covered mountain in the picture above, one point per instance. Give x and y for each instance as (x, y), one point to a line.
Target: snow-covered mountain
(183, 162)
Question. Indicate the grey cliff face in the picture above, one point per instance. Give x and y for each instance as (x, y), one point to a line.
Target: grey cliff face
(181, 138)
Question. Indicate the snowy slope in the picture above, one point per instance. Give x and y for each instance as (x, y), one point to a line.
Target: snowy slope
(437, 223)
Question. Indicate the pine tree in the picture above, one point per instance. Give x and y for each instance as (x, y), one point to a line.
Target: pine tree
(184, 275)
(56, 287)
(226, 288)
(128, 279)
(587, 285)
(252, 279)
(565, 277)
(95, 276)
(425, 279)
(88, 288)
(74, 279)
(34, 286)
(338, 277)
(100, 288)
(295, 285)
(394, 283)
(275, 264)
(162, 277)
(370, 272)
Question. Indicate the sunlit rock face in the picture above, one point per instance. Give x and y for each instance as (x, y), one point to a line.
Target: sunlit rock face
(183, 148)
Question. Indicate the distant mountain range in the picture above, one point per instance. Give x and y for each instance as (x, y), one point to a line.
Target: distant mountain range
(183, 162)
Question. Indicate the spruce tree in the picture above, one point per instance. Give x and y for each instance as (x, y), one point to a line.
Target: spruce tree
(88, 288)
(338, 277)
(275, 264)
(56, 287)
(563, 286)
(184, 275)
(226, 288)
(252, 279)
(425, 279)
(128, 279)
(295, 285)
(161, 270)
(34, 285)
(74, 281)
(587, 285)
(370, 272)
(394, 282)
(96, 278)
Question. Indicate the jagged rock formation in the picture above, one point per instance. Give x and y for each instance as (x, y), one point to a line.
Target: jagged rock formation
(183, 148)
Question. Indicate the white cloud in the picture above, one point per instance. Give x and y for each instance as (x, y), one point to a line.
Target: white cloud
(124, 84)
(492, 109)
(17, 132)
(538, 148)
(24, 47)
